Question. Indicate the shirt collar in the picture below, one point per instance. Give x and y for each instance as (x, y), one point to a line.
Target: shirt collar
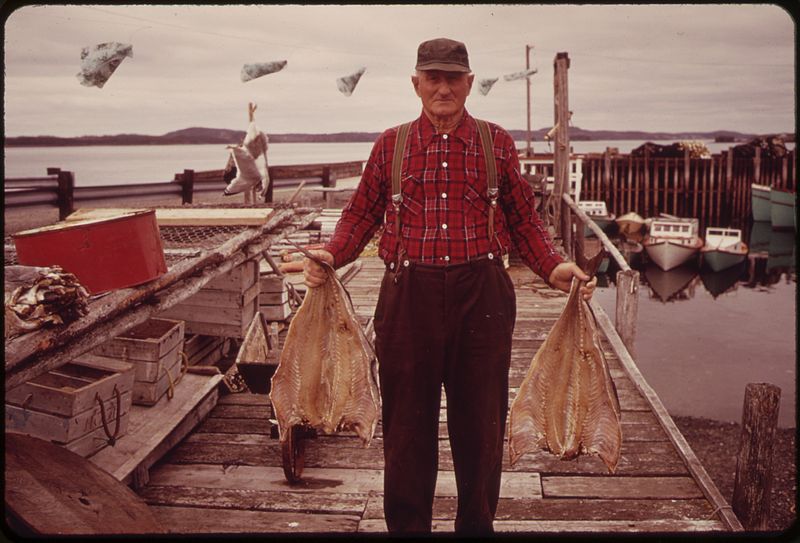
(466, 130)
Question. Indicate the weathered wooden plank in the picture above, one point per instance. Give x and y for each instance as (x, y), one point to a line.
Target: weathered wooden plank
(568, 509)
(339, 480)
(243, 399)
(570, 526)
(620, 487)
(186, 216)
(241, 411)
(190, 520)
(155, 430)
(255, 500)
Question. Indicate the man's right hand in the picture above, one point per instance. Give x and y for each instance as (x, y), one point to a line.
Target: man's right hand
(315, 275)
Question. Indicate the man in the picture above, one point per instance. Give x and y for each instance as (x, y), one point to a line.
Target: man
(446, 309)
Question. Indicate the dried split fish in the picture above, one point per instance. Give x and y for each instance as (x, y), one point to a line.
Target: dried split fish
(36, 296)
(99, 62)
(485, 85)
(257, 69)
(347, 84)
(567, 403)
(520, 75)
(327, 375)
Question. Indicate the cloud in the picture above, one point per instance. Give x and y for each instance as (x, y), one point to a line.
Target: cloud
(650, 67)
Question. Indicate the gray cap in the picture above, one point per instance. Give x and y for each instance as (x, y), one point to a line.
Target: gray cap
(443, 54)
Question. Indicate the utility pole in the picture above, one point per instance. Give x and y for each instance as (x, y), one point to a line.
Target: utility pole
(528, 149)
(561, 122)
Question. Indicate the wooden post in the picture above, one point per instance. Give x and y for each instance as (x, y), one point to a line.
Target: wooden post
(629, 184)
(753, 482)
(627, 308)
(656, 175)
(646, 184)
(729, 181)
(53, 171)
(326, 176)
(187, 187)
(784, 171)
(675, 190)
(757, 166)
(715, 191)
(606, 182)
(561, 117)
(66, 194)
(528, 149)
(566, 229)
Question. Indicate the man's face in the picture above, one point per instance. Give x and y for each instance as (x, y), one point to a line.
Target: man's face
(443, 94)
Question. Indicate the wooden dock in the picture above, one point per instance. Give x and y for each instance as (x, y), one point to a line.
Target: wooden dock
(226, 476)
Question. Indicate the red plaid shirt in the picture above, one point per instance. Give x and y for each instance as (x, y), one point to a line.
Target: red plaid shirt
(445, 207)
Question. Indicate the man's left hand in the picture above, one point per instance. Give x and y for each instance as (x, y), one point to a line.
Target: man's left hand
(561, 278)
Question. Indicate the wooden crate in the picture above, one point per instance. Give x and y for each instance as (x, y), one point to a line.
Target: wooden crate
(155, 349)
(274, 298)
(224, 307)
(64, 404)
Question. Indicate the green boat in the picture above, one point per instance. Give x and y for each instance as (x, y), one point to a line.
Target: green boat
(723, 248)
(760, 202)
(782, 209)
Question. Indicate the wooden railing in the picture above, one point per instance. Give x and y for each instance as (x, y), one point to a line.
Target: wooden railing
(58, 187)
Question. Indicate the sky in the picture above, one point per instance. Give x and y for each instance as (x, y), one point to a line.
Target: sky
(670, 68)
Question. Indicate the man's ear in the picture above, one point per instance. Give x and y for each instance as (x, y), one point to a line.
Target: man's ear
(415, 82)
(470, 79)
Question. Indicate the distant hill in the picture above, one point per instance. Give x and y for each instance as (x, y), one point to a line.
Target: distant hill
(223, 136)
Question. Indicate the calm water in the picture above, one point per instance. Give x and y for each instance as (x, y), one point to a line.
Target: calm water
(701, 337)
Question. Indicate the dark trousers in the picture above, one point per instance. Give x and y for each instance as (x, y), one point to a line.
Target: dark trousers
(448, 326)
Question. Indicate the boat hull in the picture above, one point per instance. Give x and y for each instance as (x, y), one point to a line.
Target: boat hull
(719, 259)
(781, 208)
(668, 255)
(630, 223)
(760, 202)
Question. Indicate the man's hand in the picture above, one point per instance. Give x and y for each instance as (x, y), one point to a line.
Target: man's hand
(313, 274)
(561, 278)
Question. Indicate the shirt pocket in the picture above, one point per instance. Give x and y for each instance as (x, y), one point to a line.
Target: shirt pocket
(477, 205)
(413, 196)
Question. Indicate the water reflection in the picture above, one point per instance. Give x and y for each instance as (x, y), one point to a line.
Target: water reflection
(771, 257)
(671, 286)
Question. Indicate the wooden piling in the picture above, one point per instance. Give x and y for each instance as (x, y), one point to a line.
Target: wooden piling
(675, 191)
(753, 482)
(187, 187)
(627, 308)
(66, 194)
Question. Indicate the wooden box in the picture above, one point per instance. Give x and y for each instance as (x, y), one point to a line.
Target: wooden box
(224, 307)
(154, 348)
(64, 404)
(274, 298)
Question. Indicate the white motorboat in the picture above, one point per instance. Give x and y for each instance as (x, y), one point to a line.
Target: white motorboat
(672, 241)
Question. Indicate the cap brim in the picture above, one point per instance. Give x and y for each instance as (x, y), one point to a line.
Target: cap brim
(443, 66)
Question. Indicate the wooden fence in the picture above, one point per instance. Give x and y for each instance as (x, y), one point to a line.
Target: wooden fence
(58, 187)
(715, 190)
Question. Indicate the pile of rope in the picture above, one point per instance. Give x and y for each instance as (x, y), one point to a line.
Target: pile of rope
(35, 297)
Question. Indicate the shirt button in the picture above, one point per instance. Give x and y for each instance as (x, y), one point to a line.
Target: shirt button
(444, 226)
(444, 195)
(444, 164)
(447, 259)
(444, 136)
